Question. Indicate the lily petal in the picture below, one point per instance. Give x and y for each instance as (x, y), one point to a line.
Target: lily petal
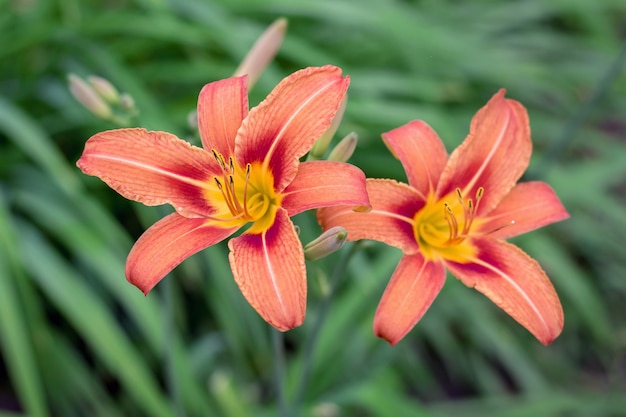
(269, 269)
(286, 124)
(390, 220)
(166, 244)
(529, 206)
(494, 155)
(421, 152)
(412, 289)
(151, 167)
(516, 283)
(323, 184)
(222, 106)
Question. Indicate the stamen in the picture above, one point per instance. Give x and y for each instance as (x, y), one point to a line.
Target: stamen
(219, 158)
(459, 195)
(466, 214)
(511, 223)
(453, 225)
(228, 219)
(235, 199)
(470, 209)
(479, 196)
(245, 190)
(469, 216)
(473, 209)
(226, 196)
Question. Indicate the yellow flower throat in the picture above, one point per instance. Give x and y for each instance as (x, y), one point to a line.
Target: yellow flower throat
(442, 226)
(243, 195)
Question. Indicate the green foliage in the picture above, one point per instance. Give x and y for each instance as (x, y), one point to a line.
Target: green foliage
(76, 339)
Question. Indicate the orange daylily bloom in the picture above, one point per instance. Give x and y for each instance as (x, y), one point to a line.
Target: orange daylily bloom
(454, 214)
(248, 174)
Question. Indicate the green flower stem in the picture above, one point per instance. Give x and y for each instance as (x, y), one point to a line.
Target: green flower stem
(172, 385)
(279, 372)
(311, 343)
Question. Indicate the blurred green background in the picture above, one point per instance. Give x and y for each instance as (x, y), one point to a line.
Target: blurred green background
(77, 340)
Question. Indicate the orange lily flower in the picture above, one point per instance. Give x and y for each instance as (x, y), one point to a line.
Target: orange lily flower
(455, 214)
(248, 174)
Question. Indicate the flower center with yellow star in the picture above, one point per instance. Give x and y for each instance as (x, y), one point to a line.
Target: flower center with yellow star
(243, 195)
(442, 226)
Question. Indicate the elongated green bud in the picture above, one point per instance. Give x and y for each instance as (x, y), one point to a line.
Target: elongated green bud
(321, 145)
(104, 88)
(328, 242)
(344, 149)
(263, 51)
(88, 97)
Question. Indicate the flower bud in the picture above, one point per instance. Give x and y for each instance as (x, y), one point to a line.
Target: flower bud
(88, 97)
(127, 102)
(192, 120)
(319, 147)
(344, 149)
(262, 52)
(326, 409)
(328, 242)
(104, 89)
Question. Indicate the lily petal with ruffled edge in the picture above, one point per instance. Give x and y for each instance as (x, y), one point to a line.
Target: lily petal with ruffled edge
(527, 207)
(222, 107)
(516, 283)
(322, 184)
(413, 287)
(494, 155)
(421, 153)
(152, 168)
(282, 128)
(269, 269)
(389, 220)
(166, 244)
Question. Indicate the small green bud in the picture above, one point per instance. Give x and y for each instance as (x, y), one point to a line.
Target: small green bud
(321, 145)
(262, 52)
(127, 102)
(88, 97)
(344, 149)
(192, 120)
(104, 88)
(328, 242)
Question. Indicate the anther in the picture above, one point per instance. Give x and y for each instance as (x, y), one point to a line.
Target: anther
(479, 196)
(226, 195)
(459, 195)
(219, 158)
(453, 225)
(245, 189)
(469, 216)
(236, 202)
